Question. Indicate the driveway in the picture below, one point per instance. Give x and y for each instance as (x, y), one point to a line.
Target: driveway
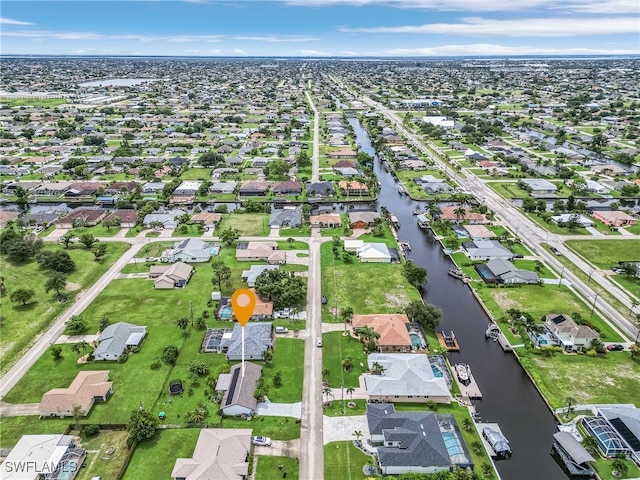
(269, 409)
(76, 338)
(18, 409)
(280, 448)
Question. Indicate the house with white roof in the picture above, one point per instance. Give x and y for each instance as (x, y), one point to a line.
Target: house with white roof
(374, 252)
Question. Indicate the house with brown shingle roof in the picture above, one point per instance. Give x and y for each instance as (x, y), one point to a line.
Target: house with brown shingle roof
(82, 217)
(567, 333)
(329, 220)
(392, 327)
(343, 153)
(220, 453)
(353, 188)
(259, 251)
(448, 214)
(85, 390)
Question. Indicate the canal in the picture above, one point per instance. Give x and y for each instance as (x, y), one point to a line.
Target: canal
(509, 397)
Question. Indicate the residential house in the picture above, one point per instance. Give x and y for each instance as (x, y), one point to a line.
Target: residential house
(86, 389)
(453, 214)
(538, 185)
(343, 153)
(41, 219)
(253, 188)
(614, 218)
(6, 217)
(163, 218)
(362, 219)
(252, 274)
(486, 250)
(406, 377)
(416, 442)
(327, 221)
(353, 187)
(567, 333)
(124, 218)
(190, 250)
(346, 171)
(500, 270)
(239, 388)
(83, 189)
(208, 219)
(622, 427)
(117, 339)
(289, 216)
(595, 187)
(166, 277)
(36, 457)
(220, 453)
(392, 328)
(223, 187)
(320, 189)
(258, 339)
(371, 252)
(353, 245)
(566, 218)
(287, 187)
(52, 189)
(259, 251)
(122, 187)
(478, 232)
(152, 187)
(82, 217)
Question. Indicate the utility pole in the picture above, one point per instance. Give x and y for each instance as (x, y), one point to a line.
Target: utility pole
(594, 304)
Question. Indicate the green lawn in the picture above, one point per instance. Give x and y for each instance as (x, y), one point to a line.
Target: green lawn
(96, 231)
(303, 231)
(337, 347)
(344, 461)
(388, 238)
(288, 358)
(196, 174)
(295, 245)
(186, 230)
(12, 428)
(99, 464)
(32, 102)
(21, 324)
(268, 467)
(250, 224)
(154, 249)
(605, 253)
(603, 467)
(155, 458)
(611, 378)
(366, 287)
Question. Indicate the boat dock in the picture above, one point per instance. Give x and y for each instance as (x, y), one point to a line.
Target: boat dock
(493, 332)
(466, 382)
(490, 432)
(448, 341)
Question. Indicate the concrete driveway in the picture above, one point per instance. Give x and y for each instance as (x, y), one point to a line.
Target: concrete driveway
(341, 428)
(18, 409)
(280, 448)
(269, 409)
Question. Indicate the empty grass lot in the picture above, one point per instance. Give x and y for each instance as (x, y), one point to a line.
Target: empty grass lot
(337, 347)
(196, 174)
(249, 224)
(366, 287)
(12, 428)
(23, 323)
(268, 467)
(99, 464)
(344, 461)
(611, 378)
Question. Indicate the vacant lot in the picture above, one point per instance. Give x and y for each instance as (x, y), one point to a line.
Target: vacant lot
(337, 347)
(21, 324)
(249, 224)
(344, 461)
(366, 287)
(611, 378)
(268, 467)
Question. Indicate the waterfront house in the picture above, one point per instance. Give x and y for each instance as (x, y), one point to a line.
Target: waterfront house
(392, 328)
(568, 334)
(614, 218)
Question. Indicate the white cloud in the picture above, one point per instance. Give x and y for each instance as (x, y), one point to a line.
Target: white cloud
(87, 36)
(523, 27)
(315, 53)
(274, 38)
(348, 52)
(238, 51)
(586, 6)
(493, 49)
(10, 21)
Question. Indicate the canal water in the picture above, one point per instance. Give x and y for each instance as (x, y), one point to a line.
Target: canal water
(509, 397)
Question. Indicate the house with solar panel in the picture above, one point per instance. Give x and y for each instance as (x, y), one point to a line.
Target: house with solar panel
(238, 389)
(616, 430)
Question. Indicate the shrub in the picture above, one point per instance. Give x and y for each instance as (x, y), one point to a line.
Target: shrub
(56, 352)
(169, 355)
(91, 430)
(135, 349)
(155, 364)
(122, 358)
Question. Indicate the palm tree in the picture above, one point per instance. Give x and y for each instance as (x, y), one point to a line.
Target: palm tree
(358, 435)
(327, 392)
(377, 368)
(590, 443)
(570, 402)
(635, 350)
(460, 212)
(618, 464)
(347, 364)
(182, 323)
(325, 374)
(350, 391)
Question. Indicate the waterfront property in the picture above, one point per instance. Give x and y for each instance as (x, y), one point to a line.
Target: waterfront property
(499, 270)
(616, 429)
(406, 377)
(86, 389)
(393, 329)
(219, 453)
(566, 332)
(421, 442)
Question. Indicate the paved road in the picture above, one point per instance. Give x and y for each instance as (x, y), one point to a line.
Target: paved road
(50, 336)
(311, 435)
(315, 157)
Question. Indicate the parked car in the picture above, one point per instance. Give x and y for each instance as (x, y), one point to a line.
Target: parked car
(555, 250)
(319, 342)
(618, 270)
(261, 441)
(323, 299)
(518, 255)
(282, 330)
(616, 347)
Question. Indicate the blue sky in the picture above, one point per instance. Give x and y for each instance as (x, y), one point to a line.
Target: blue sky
(320, 28)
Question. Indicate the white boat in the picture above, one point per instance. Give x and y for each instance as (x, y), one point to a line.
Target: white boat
(462, 371)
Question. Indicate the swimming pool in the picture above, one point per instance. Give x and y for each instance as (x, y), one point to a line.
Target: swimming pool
(225, 313)
(416, 340)
(451, 441)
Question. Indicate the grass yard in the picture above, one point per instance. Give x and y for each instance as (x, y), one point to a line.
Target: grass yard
(294, 245)
(96, 231)
(366, 287)
(32, 102)
(23, 323)
(288, 358)
(249, 224)
(268, 467)
(99, 464)
(605, 253)
(154, 249)
(337, 347)
(344, 461)
(12, 428)
(196, 174)
(189, 230)
(303, 231)
(603, 467)
(611, 378)
(388, 239)
(276, 428)
(155, 458)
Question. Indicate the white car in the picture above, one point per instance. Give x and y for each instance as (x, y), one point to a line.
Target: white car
(319, 342)
(261, 441)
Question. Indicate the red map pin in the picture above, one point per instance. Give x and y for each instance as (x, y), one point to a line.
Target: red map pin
(243, 302)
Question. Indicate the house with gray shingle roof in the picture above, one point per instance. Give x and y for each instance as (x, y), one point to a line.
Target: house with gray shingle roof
(258, 339)
(189, 250)
(118, 338)
(254, 272)
(238, 396)
(415, 441)
(286, 217)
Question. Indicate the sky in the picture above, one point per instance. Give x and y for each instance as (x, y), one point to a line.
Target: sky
(320, 28)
